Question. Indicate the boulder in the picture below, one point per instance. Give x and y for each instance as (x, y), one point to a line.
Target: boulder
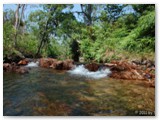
(56, 64)
(7, 67)
(92, 67)
(147, 63)
(23, 62)
(127, 70)
(46, 62)
(53, 65)
(68, 64)
(14, 68)
(59, 65)
(65, 65)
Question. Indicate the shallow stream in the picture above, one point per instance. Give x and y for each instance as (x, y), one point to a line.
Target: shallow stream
(51, 92)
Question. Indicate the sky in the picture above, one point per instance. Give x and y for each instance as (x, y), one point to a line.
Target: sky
(33, 7)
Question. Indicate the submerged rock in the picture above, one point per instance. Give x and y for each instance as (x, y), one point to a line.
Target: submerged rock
(21, 70)
(92, 67)
(152, 83)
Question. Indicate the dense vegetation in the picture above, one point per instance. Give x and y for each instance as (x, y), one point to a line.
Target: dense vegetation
(98, 32)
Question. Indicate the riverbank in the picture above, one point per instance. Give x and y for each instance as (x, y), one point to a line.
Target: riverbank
(143, 70)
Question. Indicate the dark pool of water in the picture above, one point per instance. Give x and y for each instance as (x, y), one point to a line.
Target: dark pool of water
(50, 92)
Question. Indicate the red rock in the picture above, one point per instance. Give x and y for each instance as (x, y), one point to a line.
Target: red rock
(64, 65)
(68, 64)
(92, 67)
(21, 70)
(110, 65)
(59, 65)
(126, 70)
(14, 68)
(23, 62)
(152, 84)
(7, 67)
(55, 64)
(46, 62)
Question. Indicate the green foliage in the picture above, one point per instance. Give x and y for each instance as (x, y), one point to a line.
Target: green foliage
(142, 37)
(85, 46)
(53, 49)
(8, 16)
(27, 44)
(102, 34)
(8, 35)
(143, 8)
(128, 33)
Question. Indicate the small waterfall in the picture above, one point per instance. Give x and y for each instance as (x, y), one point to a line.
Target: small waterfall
(81, 70)
(33, 64)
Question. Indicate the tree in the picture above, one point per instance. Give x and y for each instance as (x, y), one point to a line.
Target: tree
(50, 22)
(141, 9)
(87, 13)
(55, 30)
(18, 20)
(90, 13)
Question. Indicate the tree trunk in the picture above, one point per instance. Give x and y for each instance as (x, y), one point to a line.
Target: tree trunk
(16, 25)
(17, 16)
(18, 19)
(87, 11)
(44, 39)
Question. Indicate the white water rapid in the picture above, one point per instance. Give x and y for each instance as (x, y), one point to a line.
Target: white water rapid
(82, 71)
(33, 64)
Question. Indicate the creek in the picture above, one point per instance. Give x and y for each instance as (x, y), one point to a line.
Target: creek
(77, 92)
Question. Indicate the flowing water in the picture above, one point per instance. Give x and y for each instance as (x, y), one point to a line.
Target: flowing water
(81, 71)
(74, 93)
(33, 64)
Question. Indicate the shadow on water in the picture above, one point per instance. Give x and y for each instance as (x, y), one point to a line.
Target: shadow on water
(49, 92)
